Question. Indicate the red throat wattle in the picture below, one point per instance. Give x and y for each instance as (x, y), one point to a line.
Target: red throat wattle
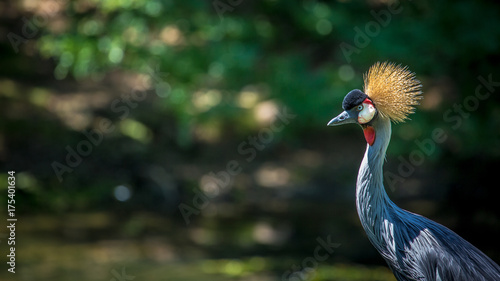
(369, 134)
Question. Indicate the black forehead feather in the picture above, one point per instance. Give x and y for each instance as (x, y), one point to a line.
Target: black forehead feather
(353, 98)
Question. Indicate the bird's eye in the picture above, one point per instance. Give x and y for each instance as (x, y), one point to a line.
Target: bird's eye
(360, 107)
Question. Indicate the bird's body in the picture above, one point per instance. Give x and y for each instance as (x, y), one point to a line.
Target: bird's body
(414, 247)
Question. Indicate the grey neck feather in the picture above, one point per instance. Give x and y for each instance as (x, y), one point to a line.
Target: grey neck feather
(372, 202)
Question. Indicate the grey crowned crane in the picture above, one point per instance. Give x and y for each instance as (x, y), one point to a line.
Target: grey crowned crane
(414, 247)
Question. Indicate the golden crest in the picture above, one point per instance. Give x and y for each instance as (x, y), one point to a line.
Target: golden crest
(394, 90)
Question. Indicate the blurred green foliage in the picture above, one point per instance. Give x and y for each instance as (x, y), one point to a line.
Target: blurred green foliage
(289, 52)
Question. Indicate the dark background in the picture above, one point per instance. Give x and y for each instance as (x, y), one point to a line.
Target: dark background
(115, 113)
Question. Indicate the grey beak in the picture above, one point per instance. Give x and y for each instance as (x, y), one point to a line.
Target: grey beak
(343, 118)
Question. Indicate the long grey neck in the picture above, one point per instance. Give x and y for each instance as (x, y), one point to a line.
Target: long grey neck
(372, 202)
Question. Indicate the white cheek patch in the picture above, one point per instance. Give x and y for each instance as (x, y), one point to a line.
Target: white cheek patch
(366, 115)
